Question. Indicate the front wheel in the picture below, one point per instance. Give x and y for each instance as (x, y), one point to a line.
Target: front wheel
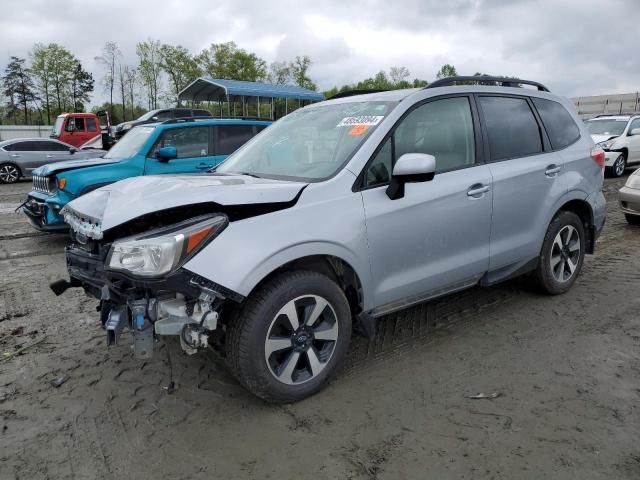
(290, 336)
(562, 254)
(9, 173)
(619, 166)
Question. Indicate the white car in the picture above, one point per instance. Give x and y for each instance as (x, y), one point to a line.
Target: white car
(619, 137)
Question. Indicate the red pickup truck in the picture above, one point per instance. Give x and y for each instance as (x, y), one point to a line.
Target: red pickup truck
(78, 128)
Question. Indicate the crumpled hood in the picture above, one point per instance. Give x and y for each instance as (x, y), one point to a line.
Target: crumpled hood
(602, 138)
(58, 167)
(122, 201)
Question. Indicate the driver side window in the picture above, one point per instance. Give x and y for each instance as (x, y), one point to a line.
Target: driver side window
(442, 128)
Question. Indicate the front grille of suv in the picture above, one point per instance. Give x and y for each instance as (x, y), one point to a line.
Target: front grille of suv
(44, 185)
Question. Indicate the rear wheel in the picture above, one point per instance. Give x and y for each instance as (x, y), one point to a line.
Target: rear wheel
(290, 336)
(562, 254)
(632, 219)
(9, 173)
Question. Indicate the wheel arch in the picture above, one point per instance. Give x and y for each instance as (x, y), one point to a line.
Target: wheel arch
(582, 208)
(20, 172)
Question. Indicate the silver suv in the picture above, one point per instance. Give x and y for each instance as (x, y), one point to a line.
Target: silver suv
(336, 215)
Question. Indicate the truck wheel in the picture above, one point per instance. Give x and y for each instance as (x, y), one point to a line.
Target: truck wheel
(290, 336)
(562, 254)
(9, 173)
(632, 219)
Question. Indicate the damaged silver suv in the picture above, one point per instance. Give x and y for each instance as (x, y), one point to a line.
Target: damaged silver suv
(336, 215)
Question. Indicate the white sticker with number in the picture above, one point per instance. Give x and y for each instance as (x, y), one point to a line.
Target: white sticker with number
(361, 120)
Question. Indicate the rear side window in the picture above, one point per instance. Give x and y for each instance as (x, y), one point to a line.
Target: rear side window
(91, 125)
(512, 129)
(20, 147)
(183, 113)
(47, 146)
(558, 123)
(231, 137)
(202, 113)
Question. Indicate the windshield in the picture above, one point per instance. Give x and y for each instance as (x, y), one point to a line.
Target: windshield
(57, 127)
(130, 144)
(310, 144)
(606, 127)
(147, 116)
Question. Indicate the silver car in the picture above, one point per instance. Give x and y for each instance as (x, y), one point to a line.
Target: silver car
(20, 156)
(336, 215)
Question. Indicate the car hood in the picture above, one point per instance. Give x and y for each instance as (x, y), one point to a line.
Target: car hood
(57, 167)
(115, 204)
(602, 138)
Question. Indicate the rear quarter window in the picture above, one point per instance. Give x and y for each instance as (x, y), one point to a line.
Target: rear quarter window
(558, 123)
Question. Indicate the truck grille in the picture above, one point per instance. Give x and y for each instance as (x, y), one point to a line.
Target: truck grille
(44, 184)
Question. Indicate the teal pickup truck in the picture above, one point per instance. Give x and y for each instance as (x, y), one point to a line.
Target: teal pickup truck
(175, 146)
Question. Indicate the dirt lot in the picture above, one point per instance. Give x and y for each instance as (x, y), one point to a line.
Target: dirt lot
(567, 370)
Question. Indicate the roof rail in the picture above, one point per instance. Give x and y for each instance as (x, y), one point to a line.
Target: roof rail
(502, 81)
(193, 119)
(615, 114)
(351, 93)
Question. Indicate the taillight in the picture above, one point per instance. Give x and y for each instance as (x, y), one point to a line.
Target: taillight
(598, 156)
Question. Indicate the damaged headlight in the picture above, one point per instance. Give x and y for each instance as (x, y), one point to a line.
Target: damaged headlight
(162, 251)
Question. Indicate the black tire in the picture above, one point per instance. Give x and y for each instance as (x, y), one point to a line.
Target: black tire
(9, 173)
(546, 275)
(619, 166)
(632, 219)
(249, 333)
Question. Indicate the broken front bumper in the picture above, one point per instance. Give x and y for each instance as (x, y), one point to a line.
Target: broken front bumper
(181, 303)
(44, 214)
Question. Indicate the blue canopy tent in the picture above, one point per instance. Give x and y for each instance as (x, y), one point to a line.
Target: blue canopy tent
(205, 89)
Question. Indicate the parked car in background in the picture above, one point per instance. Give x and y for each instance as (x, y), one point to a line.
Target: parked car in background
(160, 115)
(339, 214)
(175, 146)
(19, 157)
(619, 137)
(79, 128)
(629, 197)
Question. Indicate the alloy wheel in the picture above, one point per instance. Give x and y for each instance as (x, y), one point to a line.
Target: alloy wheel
(9, 173)
(619, 166)
(301, 339)
(565, 254)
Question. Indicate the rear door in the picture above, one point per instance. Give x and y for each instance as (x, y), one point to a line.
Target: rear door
(228, 138)
(194, 146)
(527, 178)
(435, 239)
(53, 151)
(26, 155)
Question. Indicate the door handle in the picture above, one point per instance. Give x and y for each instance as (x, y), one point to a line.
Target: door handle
(15, 155)
(552, 170)
(49, 156)
(203, 166)
(477, 190)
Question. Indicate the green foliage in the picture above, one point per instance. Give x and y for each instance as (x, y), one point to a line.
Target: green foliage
(19, 89)
(394, 80)
(299, 71)
(446, 71)
(149, 68)
(181, 67)
(81, 88)
(226, 60)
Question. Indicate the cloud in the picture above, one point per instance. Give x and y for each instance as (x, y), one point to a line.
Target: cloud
(577, 47)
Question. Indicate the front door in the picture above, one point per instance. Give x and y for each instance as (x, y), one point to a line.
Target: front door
(195, 151)
(435, 239)
(634, 142)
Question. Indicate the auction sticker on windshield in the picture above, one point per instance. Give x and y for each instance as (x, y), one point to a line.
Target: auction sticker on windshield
(360, 120)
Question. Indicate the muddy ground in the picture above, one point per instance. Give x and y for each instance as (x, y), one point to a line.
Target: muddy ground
(567, 370)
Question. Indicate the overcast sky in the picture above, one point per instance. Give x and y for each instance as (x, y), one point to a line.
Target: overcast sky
(576, 47)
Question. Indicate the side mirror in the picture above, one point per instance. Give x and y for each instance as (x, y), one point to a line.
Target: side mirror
(635, 131)
(73, 150)
(155, 118)
(410, 167)
(167, 153)
(71, 126)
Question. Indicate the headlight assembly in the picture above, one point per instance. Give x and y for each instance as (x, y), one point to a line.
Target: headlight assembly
(607, 144)
(633, 182)
(164, 250)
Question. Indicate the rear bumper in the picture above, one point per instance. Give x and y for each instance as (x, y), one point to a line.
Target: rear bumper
(629, 199)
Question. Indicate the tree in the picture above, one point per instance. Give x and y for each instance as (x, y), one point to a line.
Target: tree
(81, 87)
(181, 67)
(149, 70)
(299, 68)
(226, 60)
(399, 75)
(111, 55)
(279, 73)
(42, 76)
(130, 81)
(446, 70)
(18, 87)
